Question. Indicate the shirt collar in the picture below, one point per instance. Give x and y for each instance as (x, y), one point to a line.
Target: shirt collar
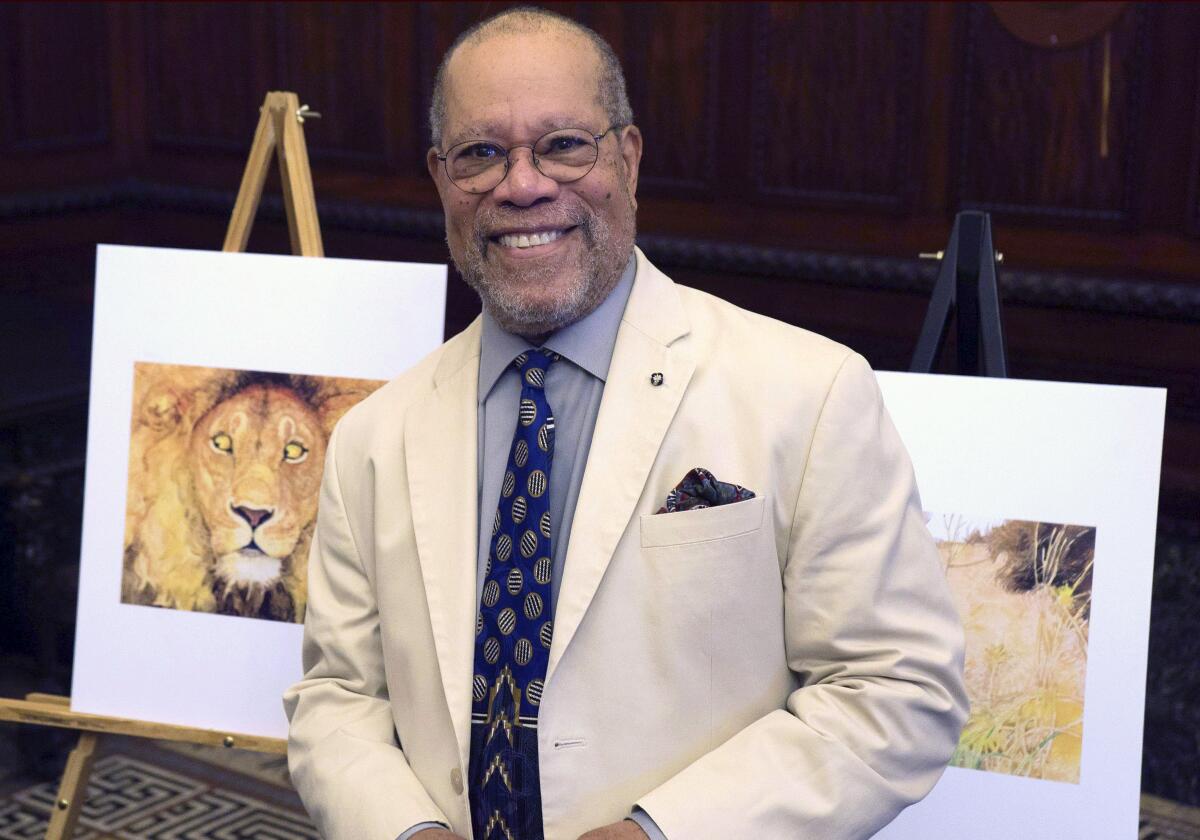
(588, 342)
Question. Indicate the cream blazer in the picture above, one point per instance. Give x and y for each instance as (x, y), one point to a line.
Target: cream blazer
(784, 667)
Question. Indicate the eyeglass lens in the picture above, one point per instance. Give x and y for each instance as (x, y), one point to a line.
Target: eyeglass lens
(565, 155)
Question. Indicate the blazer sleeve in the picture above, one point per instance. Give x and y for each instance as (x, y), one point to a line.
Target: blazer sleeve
(872, 634)
(343, 755)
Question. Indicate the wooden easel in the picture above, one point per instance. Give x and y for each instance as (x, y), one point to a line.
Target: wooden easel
(279, 131)
(278, 134)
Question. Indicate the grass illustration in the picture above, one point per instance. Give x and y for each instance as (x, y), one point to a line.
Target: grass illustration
(1023, 590)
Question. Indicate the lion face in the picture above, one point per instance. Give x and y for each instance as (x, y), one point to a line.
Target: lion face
(255, 461)
(224, 474)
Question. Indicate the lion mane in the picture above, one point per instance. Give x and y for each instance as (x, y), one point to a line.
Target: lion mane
(224, 474)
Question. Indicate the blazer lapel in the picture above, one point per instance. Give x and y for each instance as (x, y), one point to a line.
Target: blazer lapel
(633, 419)
(440, 447)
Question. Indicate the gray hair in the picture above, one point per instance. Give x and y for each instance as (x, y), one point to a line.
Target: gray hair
(612, 96)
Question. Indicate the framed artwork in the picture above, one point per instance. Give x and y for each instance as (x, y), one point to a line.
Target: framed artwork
(216, 380)
(1042, 498)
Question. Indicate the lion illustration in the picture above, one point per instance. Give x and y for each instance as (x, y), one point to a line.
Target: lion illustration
(224, 472)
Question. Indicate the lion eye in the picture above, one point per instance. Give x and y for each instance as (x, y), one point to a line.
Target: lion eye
(294, 452)
(222, 442)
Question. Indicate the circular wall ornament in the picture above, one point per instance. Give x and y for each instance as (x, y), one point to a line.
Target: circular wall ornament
(1057, 25)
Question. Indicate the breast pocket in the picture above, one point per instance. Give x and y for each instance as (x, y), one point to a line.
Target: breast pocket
(708, 525)
(708, 576)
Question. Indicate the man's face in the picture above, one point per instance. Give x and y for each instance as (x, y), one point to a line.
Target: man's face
(511, 88)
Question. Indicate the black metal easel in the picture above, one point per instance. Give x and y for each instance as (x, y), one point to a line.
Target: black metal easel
(966, 286)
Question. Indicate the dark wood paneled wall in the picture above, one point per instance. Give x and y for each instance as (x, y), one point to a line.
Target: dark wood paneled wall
(841, 119)
(844, 130)
(888, 112)
(798, 157)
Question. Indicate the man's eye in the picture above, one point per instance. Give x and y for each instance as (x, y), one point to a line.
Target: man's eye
(565, 144)
(482, 151)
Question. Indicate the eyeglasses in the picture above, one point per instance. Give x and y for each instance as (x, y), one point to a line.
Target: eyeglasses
(565, 155)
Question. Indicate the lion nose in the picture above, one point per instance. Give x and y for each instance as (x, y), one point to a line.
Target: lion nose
(255, 516)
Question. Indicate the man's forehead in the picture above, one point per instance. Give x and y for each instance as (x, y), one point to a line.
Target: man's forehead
(521, 82)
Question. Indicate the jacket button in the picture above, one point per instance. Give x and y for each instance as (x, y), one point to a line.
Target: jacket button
(456, 781)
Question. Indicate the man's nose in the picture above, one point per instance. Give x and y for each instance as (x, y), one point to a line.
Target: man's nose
(524, 184)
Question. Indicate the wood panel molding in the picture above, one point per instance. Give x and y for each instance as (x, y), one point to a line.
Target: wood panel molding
(827, 146)
(673, 64)
(195, 102)
(1030, 121)
(1164, 300)
(334, 56)
(57, 97)
(1193, 195)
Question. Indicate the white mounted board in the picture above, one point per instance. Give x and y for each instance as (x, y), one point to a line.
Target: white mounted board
(1073, 469)
(215, 377)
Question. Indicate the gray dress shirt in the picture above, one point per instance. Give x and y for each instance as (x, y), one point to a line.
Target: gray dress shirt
(574, 386)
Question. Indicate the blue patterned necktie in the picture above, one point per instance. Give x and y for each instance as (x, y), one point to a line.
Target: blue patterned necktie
(513, 628)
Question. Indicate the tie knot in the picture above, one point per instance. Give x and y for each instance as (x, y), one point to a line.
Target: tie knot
(533, 365)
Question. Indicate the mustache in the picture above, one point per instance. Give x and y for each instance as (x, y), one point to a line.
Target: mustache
(501, 218)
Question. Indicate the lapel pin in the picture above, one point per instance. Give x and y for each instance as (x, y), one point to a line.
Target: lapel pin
(656, 379)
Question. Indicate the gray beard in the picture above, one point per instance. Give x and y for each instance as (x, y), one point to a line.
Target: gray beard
(602, 261)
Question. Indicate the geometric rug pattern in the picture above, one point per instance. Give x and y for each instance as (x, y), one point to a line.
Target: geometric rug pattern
(1163, 819)
(132, 800)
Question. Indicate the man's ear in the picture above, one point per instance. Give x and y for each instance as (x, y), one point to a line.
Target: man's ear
(433, 165)
(631, 152)
(436, 172)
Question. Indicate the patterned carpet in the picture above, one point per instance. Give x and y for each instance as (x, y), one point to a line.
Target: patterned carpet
(1163, 819)
(142, 791)
(169, 798)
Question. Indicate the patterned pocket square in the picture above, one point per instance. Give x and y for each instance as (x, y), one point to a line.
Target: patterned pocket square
(700, 489)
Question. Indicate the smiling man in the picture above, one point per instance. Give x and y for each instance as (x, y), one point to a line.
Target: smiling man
(531, 613)
(538, 177)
